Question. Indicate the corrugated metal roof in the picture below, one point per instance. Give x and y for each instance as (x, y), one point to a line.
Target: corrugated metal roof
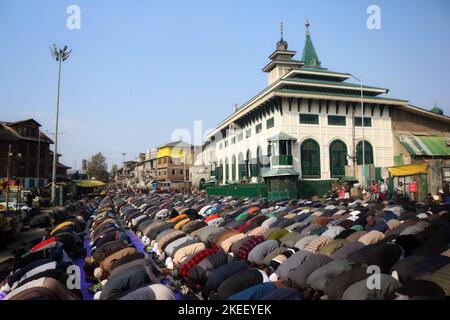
(424, 145)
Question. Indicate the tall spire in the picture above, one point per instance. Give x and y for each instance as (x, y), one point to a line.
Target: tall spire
(309, 56)
(282, 45)
(307, 24)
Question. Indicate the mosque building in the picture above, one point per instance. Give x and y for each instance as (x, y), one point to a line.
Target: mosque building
(311, 126)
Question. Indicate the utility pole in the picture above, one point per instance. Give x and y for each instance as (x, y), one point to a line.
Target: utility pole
(59, 55)
(353, 142)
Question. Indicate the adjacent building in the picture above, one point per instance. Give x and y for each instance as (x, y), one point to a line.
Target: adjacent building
(173, 162)
(31, 157)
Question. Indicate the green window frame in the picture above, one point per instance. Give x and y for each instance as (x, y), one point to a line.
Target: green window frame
(233, 168)
(220, 172)
(258, 128)
(307, 118)
(337, 120)
(367, 122)
(270, 123)
(242, 165)
(227, 170)
(310, 159)
(368, 153)
(338, 158)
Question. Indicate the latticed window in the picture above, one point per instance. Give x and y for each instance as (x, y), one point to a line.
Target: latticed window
(248, 164)
(233, 168)
(258, 162)
(227, 170)
(338, 158)
(368, 153)
(242, 166)
(336, 120)
(220, 172)
(367, 122)
(309, 118)
(310, 159)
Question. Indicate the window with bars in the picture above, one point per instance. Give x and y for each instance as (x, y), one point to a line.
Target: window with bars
(368, 153)
(338, 158)
(309, 118)
(233, 168)
(258, 128)
(270, 123)
(310, 159)
(336, 120)
(367, 122)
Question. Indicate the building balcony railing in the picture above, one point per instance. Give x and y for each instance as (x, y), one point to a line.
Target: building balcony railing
(282, 160)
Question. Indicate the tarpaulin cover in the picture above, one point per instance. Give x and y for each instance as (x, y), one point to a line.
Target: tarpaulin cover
(90, 183)
(409, 170)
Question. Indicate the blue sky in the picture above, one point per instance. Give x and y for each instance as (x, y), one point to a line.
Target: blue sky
(140, 69)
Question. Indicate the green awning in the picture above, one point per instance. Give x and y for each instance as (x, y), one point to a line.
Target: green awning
(424, 145)
(280, 172)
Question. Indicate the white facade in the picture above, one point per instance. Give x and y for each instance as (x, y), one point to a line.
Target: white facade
(379, 135)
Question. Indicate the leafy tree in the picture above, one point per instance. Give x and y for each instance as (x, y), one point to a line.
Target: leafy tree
(97, 168)
(114, 168)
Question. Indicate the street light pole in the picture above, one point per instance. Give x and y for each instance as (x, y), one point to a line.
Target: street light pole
(360, 79)
(59, 55)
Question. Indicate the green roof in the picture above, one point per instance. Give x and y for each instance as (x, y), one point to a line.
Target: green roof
(335, 83)
(336, 94)
(309, 55)
(280, 172)
(437, 111)
(424, 145)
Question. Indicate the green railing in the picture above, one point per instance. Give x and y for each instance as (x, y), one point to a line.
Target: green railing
(281, 160)
(253, 190)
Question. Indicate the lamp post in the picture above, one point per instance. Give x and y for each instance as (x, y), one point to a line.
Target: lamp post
(360, 79)
(59, 55)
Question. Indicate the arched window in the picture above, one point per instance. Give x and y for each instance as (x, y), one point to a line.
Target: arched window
(242, 166)
(248, 165)
(233, 168)
(310, 159)
(368, 153)
(220, 172)
(258, 162)
(227, 170)
(338, 158)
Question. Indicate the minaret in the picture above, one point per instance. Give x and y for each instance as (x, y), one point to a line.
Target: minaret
(309, 56)
(282, 61)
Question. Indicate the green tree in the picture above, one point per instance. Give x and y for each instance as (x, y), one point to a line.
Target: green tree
(114, 168)
(97, 168)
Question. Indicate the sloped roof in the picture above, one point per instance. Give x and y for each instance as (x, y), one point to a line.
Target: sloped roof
(309, 55)
(424, 145)
(278, 172)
